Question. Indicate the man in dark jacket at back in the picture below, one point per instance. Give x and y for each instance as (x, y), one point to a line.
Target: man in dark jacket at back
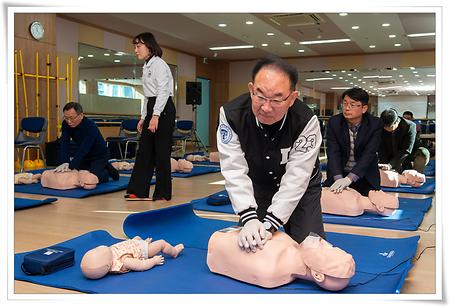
(92, 153)
(399, 148)
(353, 138)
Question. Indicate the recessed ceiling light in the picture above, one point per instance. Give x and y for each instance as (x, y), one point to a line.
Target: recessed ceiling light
(106, 54)
(249, 22)
(405, 81)
(351, 82)
(355, 27)
(116, 61)
(412, 68)
(359, 80)
(420, 81)
(431, 75)
(401, 76)
(90, 55)
(341, 78)
(343, 14)
(349, 74)
(392, 36)
(333, 75)
(343, 71)
(364, 82)
(326, 41)
(270, 34)
(118, 53)
(264, 45)
(355, 77)
(287, 43)
(415, 72)
(420, 34)
(346, 80)
(385, 24)
(222, 25)
(301, 50)
(372, 46)
(340, 88)
(397, 45)
(232, 47)
(393, 68)
(80, 58)
(417, 76)
(318, 79)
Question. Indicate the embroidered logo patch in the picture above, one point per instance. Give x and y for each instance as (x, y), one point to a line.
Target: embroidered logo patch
(305, 143)
(225, 133)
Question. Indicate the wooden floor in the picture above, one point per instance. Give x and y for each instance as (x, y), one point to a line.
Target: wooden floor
(70, 217)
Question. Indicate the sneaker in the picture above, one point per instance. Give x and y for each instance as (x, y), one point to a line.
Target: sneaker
(135, 197)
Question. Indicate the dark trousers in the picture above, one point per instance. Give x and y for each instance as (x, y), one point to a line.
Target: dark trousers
(97, 166)
(154, 152)
(306, 217)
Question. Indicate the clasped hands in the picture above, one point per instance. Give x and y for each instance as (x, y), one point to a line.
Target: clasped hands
(253, 235)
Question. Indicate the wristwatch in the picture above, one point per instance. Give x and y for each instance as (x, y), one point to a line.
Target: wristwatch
(269, 227)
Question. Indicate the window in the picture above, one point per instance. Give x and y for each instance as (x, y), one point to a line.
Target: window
(117, 90)
(82, 86)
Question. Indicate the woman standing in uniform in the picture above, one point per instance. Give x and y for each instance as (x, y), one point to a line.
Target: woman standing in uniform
(156, 124)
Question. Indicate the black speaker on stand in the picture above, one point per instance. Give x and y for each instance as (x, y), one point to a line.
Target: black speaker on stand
(194, 98)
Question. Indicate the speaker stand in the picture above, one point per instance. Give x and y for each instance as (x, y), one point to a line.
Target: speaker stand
(195, 138)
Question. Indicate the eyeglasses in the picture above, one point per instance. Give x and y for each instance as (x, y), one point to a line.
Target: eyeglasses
(276, 102)
(351, 105)
(71, 119)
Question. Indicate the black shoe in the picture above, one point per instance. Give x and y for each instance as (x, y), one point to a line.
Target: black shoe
(112, 172)
(156, 198)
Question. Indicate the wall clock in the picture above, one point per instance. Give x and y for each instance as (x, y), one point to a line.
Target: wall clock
(37, 30)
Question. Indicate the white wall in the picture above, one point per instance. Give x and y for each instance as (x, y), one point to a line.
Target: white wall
(416, 104)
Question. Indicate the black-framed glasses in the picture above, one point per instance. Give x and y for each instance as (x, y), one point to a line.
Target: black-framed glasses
(71, 119)
(262, 99)
(351, 105)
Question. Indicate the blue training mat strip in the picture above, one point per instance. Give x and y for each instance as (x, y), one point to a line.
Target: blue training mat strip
(408, 217)
(24, 203)
(206, 163)
(427, 188)
(106, 187)
(381, 267)
(197, 170)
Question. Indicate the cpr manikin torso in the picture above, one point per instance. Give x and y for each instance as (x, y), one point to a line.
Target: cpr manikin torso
(213, 157)
(69, 180)
(409, 177)
(351, 203)
(182, 165)
(281, 261)
(122, 165)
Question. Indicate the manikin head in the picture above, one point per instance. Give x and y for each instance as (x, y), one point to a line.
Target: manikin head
(413, 178)
(214, 156)
(184, 166)
(384, 203)
(97, 262)
(330, 267)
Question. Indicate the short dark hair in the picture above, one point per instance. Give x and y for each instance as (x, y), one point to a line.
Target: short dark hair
(148, 40)
(357, 94)
(73, 105)
(389, 117)
(280, 64)
(408, 113)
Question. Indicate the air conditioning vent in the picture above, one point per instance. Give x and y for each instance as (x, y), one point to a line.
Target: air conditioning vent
(296, 19)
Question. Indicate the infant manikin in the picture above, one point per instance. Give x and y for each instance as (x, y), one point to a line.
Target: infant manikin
(281, 261)
(409, 177)
(213, 157)
(351, 203)
(182, 165)
(129, 255)
(122, 165)
(26, 178)
(69, 180)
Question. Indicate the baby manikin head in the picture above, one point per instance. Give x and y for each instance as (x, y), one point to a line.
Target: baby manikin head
(185, 166)
(331, 267)
(87, 180)
(385, 203)
(214, 156)
(413, 178)
(97, 262)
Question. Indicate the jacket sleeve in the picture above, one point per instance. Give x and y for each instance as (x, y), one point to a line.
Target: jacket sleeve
(301, 162)
(91, 134)
(406, 144)
(334, 164)
(64, 144)
(370, 150)
(234, 169)
(162, 84)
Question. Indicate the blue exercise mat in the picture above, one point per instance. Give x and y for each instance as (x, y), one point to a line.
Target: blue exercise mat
(197, 170)
(106, 187)
(24, 203)
(427, 188)
(430, 168)
(408, 217)
(381, 267)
